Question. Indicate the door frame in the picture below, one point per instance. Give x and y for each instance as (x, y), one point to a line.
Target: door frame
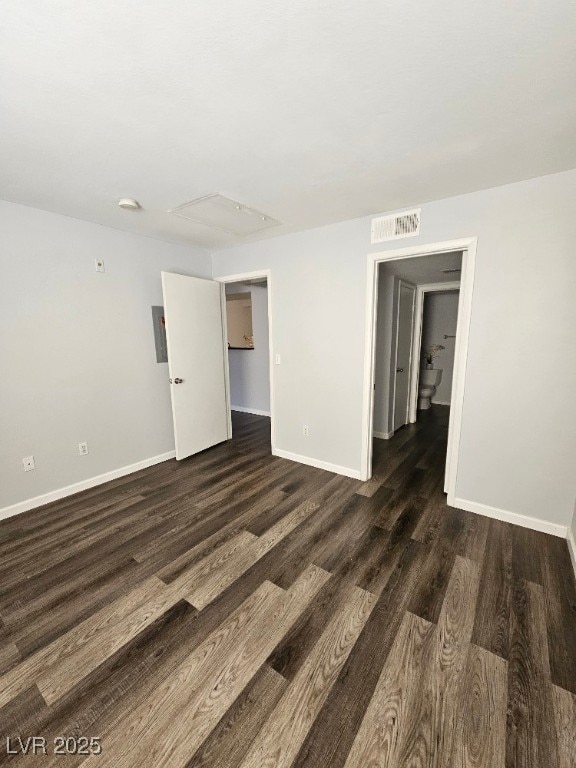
(468, 246)
(421, 291)
(240, 278)
(413, 287)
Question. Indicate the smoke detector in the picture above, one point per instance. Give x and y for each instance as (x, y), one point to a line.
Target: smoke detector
(129, 204)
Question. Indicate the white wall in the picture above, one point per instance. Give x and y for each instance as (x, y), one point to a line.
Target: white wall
(440, 317)
(77, 349)
(518, 437)
(250, 369)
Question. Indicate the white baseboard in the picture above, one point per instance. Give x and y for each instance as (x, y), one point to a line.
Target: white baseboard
(83, 485)
(572, 548)
(254, 411)
(383, 435)
(510, 517)
(346, 471)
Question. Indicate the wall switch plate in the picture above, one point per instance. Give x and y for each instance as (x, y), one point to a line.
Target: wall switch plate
(83, 449)
(305, 430)
(277, 360)
(99, 265)
(28, 462)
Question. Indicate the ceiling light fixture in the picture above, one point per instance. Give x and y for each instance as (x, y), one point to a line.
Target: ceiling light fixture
(129, 204)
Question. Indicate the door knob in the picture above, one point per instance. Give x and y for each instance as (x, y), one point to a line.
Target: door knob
(399, 370)
(176, 381)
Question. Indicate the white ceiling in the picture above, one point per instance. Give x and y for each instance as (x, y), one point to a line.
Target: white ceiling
(425, 269)
(311, 112)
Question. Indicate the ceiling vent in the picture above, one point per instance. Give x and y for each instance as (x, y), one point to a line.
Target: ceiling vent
(227, 215)
(396, 226)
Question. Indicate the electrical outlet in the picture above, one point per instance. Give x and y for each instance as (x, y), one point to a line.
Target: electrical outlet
(305, 430)
(83, 449)
(99, 265)
(28, 462)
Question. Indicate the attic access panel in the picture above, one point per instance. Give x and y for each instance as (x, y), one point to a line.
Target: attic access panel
(225, 214)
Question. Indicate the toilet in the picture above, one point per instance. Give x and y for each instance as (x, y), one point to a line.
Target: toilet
(429, 380)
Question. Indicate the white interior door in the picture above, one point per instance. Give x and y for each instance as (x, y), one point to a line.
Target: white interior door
(404, 330)
(197, 362)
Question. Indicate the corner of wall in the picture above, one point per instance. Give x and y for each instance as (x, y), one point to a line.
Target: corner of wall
(506, 516)
(571, 537)
(572, 549)
(211, 254)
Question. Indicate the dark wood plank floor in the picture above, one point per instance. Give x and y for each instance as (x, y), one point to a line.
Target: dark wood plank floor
(237, 609)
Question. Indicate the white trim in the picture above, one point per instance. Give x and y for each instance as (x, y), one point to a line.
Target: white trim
(510, 517)
(393, 371)
(311, 462)
(468, 246)
(421, 290)
(83, 485)
(255, 411)
(224, 321)
(383, 435)
(572, 548)
(240, 278)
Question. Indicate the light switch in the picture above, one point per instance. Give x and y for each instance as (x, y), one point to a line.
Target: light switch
(277, 360)
(29, 464)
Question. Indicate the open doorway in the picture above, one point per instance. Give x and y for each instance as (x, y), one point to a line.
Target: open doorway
(434, 337)
(198, 362)
(248, 330)
(416, 323)
(417, 345)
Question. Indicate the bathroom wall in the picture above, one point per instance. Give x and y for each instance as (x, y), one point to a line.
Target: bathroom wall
(440, 318)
